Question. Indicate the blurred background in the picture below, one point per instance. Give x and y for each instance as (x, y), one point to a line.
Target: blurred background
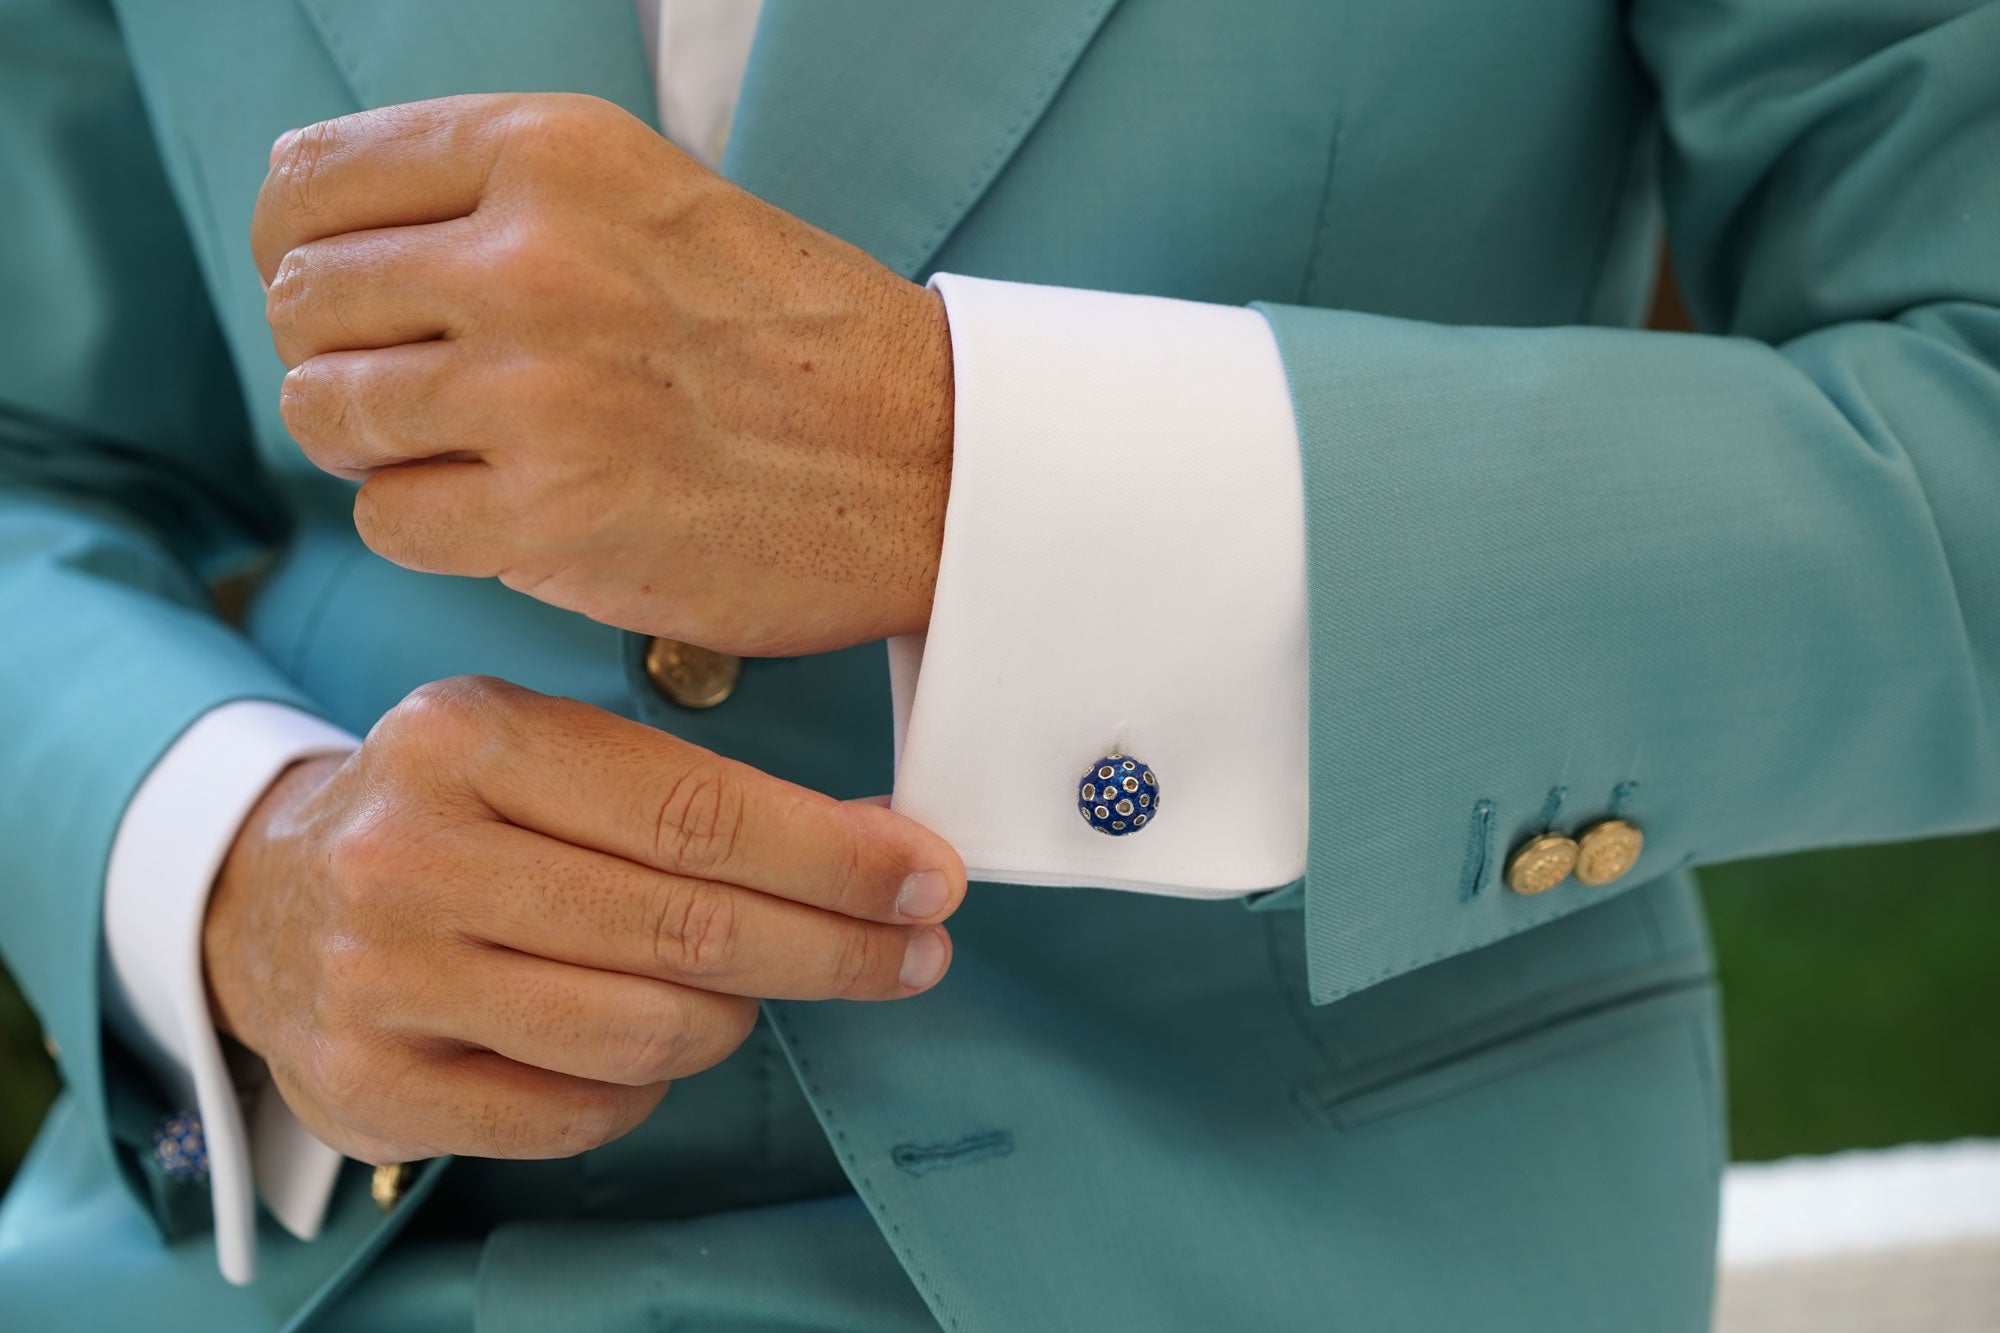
(1860, 993)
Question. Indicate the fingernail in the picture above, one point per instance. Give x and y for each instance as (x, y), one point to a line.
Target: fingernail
(923, 895)
(279, 144)
(923, 960)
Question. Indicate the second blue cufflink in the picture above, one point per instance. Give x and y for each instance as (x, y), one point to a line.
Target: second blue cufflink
(180, 1148)
(1118, 795)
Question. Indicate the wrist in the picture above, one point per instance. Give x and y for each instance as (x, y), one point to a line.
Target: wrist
(926, 405)
(237, 963)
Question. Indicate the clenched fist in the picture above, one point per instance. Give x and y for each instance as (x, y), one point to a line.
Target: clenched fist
(508, 921)
(558, 351)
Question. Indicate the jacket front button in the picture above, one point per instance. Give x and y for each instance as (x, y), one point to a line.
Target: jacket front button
(692, 677)
(388, 1183)
(1608, 851)
(1541, 863)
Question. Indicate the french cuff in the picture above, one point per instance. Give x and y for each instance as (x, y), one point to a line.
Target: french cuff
(169, 847)
(1123, 575)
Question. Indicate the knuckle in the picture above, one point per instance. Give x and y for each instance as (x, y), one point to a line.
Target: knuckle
(522, 262)
(654, 1053)
(450, 714)
(695, 931)
(697, 821)
(287, 296)
(401, 516)
(375, 523)
(595, 1116)
(453, 700)
(315, 409)
(361, 857)
(862, 963)
(591, 112)
(677, 1043)
(847, 858)
(553, 130)
(302, 171)
(299, 403)
(385, 880)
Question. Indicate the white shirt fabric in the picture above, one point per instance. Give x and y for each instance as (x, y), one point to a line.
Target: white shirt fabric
(170, 845)
(1123, 571)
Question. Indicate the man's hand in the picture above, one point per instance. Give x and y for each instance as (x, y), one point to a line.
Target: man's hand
(562, 353)
(504, 925)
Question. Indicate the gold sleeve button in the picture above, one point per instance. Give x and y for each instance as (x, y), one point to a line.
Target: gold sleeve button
(1608, 851)
(692, 677)
(1541, 863)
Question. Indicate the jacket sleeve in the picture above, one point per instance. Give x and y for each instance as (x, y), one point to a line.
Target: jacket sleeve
(126, 482)
(1743, 586)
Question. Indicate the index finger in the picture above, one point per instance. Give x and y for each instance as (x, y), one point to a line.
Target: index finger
(396, 166)
(596, 780)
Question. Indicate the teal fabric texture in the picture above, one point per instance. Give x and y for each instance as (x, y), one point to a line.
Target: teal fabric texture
(1741, 587)
(1753, 579)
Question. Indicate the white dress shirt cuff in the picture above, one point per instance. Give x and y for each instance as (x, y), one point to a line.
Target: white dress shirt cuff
(1123, 571)
(168, 850)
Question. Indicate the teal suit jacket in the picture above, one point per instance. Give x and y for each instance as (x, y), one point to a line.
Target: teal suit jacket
(1743, 587)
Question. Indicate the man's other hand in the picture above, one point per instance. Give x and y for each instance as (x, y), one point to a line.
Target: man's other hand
(508, 921)
(558, 351)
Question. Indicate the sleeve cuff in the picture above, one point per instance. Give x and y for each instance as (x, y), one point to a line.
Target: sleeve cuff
(1123, 572)
(168, 850)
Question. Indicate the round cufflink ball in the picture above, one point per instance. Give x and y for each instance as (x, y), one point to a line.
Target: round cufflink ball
(180, 1148)
(1118, 795)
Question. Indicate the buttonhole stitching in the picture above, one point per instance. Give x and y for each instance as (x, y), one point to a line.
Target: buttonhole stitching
(1478, 852)
(921, 1158)
(1621, 798)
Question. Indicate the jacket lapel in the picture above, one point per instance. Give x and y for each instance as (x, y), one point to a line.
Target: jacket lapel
(885, 122)
(394, 51)
(882, 122)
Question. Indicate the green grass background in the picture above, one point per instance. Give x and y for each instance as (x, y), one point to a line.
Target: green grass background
(1861, 990)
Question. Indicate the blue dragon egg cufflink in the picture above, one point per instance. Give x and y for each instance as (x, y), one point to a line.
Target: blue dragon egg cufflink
(1118, 795)
(180, 1148)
